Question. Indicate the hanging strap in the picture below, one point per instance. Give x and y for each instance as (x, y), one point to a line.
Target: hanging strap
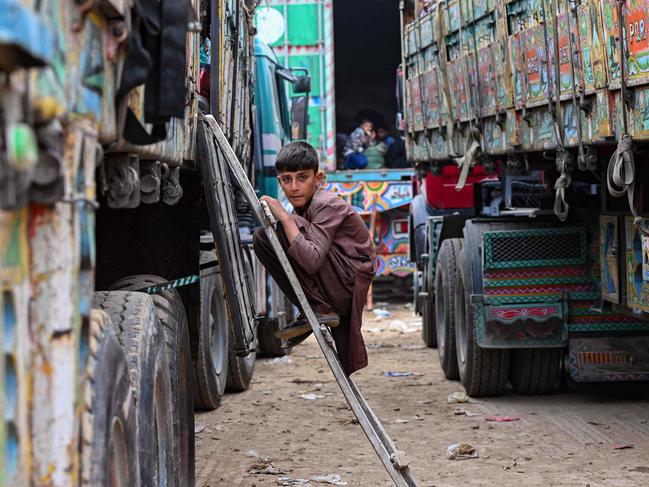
(467, 161)
(564, 162)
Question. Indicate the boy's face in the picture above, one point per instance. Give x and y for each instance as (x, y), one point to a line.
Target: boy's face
(299, 186)
(367, 126)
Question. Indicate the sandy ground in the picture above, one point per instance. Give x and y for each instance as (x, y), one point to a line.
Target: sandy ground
(565, 439)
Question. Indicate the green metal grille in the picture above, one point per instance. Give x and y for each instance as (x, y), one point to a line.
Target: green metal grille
(508, 249)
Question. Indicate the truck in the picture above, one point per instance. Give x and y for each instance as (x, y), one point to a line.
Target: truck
(328, 38)
(524, 120)
(126, 274)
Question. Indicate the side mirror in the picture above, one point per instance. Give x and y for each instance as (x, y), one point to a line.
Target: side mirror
(299, 117)
(302, 84)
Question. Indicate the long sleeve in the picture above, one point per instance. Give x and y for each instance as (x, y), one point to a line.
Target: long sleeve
(311, 247)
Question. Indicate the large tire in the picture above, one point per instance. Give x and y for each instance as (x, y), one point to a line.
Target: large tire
(536, 370)
(427, 306)
(108, 414)
(138, 332)
(211, 367)
(241, 369)
(446, 276)
(483, 372)
(171, 313)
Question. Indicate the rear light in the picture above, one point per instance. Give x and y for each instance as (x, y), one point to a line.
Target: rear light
(605, 358)
(400, 227)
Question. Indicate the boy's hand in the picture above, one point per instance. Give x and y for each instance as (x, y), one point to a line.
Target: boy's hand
(278, 211)
(276, 207)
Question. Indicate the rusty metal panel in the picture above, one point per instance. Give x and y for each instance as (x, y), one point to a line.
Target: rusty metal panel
(15, 373)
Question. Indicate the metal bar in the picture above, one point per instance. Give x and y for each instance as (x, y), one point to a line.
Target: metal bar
(394, 461)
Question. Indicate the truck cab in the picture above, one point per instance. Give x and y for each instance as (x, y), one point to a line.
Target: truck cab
(277, 119)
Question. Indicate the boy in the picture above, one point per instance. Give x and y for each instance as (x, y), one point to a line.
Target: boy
(330, 250)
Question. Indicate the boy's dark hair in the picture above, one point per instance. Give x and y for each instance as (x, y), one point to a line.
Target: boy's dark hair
(297, 156)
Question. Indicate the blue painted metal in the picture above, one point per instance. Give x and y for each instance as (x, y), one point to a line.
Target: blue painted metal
(23, 30)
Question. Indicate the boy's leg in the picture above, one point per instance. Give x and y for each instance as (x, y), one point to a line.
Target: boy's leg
(264, 251)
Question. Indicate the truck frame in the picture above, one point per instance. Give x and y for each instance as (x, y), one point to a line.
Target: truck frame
(126, 270)
(534, 266)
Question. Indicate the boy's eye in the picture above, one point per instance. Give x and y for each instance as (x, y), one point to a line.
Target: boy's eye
(302, 178)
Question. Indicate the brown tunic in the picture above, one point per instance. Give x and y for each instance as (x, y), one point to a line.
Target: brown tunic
(335, 261)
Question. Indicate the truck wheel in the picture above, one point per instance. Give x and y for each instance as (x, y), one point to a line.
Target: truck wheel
(170, 312)
(138, 332)
(211, 368)
(241, 369)
(536, 370)
(483, 372)
(108, 413)
(427, 307)
(446, 276)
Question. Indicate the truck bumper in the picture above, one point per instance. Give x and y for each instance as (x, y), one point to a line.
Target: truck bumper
(609, 359)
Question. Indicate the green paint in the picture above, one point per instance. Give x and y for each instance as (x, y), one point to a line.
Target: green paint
(11, 257)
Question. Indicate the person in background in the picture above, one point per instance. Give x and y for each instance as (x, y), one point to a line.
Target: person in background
(359, 140)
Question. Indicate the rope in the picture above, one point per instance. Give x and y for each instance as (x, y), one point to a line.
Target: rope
(565, 162)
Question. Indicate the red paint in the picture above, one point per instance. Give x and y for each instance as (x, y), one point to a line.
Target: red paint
(440, 190)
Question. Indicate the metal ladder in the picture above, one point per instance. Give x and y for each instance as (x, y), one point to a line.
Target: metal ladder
(395, 461)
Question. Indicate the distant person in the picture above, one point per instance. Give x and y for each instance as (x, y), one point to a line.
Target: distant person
(359, 140)
(376, 154)
(330, 250)
(395, 156)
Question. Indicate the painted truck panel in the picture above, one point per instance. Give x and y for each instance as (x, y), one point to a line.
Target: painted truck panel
(301, 34)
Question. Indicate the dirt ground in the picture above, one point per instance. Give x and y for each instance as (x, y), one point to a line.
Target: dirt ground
(565, 439)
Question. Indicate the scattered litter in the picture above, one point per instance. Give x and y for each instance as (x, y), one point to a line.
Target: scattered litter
(290, 481)
(429, 401)
(461, 451)
(464, 412)
(381, 312)
(403, 327)
(331, 479)
(281, 360)
(398, 374)
(457, 397)
(412, 346)
(311, 396)
(373, 330)
(622, 446)
(401, 421)
(381, 304)
(502, 419)
(407, 305)
(198, 428)
(263, 466)
(374, 346)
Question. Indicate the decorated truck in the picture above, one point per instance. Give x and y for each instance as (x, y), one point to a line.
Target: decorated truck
(525, 120)
(126, 274)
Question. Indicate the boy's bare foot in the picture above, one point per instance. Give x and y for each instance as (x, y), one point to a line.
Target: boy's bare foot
(301, 326)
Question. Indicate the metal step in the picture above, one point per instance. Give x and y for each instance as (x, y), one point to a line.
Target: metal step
(394, 461)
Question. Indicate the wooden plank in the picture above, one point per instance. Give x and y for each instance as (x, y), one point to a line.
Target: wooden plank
(394, 461)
